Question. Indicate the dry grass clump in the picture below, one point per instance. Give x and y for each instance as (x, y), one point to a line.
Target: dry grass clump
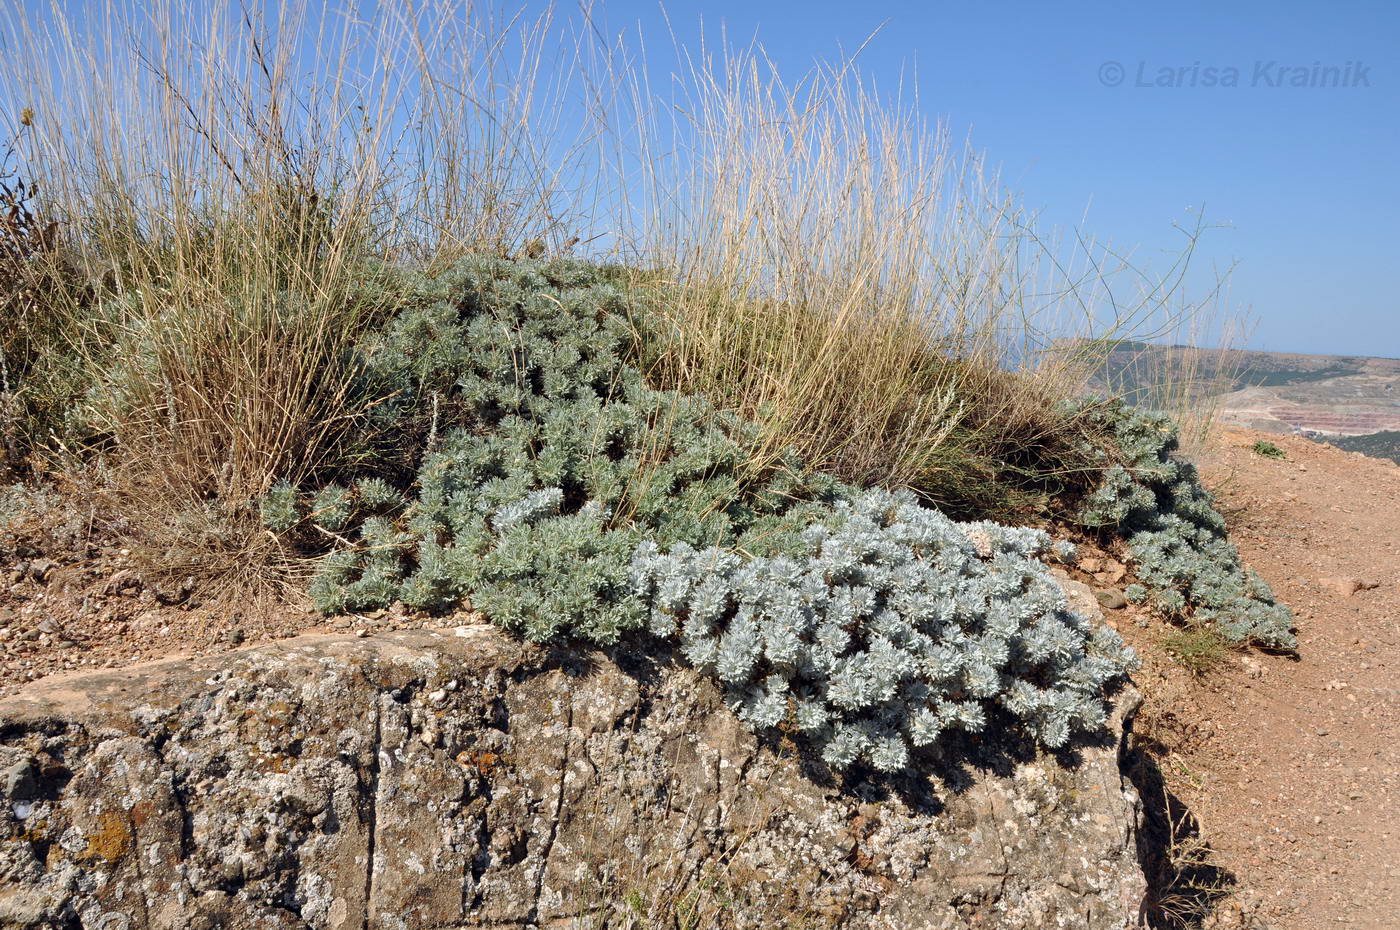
(34, 276)
(1176, 376)
(1200, 650)
(867, 291)
(230, 205)
(219, 183)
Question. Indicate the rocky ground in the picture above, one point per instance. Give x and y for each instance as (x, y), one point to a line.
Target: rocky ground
(72, 598)
(419, 780)
(1278, 776)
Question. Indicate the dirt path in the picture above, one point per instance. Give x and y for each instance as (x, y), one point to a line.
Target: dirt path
(1292, 766)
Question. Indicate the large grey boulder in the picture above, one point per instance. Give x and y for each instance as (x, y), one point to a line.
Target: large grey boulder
(441, 780)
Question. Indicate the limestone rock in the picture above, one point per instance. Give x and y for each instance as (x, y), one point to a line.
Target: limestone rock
(1112, 598)
(418, 780)
(1347, 586)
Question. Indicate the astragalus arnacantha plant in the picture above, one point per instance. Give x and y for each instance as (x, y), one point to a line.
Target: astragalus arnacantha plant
(891, 626)
(565, 498)
(549, 461)
(1178, 541)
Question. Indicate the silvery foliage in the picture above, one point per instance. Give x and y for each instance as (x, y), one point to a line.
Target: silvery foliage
(565, 498)
(1178, 541)
(548, 459)
(280, 510)
(331, 507)
(886, 631)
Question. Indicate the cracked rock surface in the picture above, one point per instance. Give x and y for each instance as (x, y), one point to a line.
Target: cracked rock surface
(430, 781)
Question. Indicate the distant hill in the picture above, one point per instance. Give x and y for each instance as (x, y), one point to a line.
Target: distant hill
(1351, 401)
(1138, 364)
(1382, 445)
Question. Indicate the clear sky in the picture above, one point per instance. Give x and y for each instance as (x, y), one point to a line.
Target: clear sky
(1305, 177)
(1122, 118)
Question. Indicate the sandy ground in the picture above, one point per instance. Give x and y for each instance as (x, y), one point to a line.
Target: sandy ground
(1289, 766)
(1292, 766)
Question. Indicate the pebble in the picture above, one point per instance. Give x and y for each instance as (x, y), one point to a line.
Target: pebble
(1112, 598)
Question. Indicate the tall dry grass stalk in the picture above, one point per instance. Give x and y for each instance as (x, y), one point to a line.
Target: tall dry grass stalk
(867, 290)
(1197, 378)
(1186, 371)
(225, 175)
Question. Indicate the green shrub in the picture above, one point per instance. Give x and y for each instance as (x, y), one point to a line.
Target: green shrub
(548, 459)
(565, 498)
(1177, 539)
(330, 508)
(280, 509)
(1268, 450)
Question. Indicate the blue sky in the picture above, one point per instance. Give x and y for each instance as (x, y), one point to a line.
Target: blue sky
(1305, 177)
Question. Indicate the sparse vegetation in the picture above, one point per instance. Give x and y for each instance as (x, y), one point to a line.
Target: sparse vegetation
(1186, 880)
(1199, 649)
(1268, 450)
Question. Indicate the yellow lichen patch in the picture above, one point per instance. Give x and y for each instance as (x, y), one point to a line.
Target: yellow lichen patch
(37, 831)
(483, 762)
(53, 858)
(110, 841)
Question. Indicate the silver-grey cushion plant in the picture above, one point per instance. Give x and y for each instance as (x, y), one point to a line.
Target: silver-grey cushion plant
(565, 498)
(889, 627)
(1177, 540)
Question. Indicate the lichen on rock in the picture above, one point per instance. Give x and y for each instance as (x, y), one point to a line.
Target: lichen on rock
(424, 780)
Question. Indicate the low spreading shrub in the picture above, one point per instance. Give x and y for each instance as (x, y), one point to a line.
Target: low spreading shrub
(549, 460)
(889, 626)
(562, 496)
(1177, 539)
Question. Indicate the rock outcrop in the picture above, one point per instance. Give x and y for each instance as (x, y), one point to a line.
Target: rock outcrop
(423, 780)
